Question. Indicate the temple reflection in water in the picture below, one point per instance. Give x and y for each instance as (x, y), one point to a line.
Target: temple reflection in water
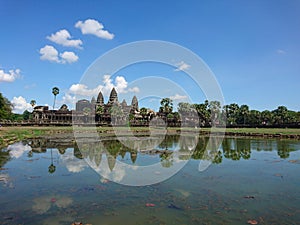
(110, 150)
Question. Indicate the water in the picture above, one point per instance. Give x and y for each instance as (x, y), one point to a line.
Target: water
(50, 182)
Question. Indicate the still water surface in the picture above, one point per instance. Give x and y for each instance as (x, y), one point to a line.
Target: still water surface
(48, 182)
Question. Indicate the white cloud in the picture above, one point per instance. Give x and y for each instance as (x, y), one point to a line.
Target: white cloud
(134, 90)
(91, 26)
(49, 53)
(281, 52)
(69, 57)
(81, 89)
(20, 105)
(178, 97)
(68, 99)
(120, 84)
(30, 86)
(181, 66)
(11, 76)
(63, 37)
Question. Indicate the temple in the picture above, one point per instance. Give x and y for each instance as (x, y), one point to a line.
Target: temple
(94, 111)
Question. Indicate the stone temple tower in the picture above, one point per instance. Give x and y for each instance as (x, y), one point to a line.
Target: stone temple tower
(113, 98)
(100, 99)
(134, 104)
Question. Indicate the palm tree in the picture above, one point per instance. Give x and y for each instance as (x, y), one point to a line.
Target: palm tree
(116, 113)
(244, 111)
(144, 112)
(86, 113)
(55, 91)
(166, 105)
(203, 112)
(32, 103)
(99, 112)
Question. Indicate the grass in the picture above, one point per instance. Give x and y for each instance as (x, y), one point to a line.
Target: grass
(282, 131)
(10, 135)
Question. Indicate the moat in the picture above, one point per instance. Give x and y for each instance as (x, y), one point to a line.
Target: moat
(48, 181)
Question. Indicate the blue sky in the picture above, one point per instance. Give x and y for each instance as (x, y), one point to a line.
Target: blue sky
(252, 47)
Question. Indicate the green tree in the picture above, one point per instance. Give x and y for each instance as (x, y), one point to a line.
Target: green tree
(203, 112)
(254, 118)
(266, 117)
(292, 117)
(26, 115)
(184, 108)
(280, 115)
(166, 105)
(144, 112)
(86, 111)
(232, 112)
(5, 108)
(116, 113)
(55, 91)
(215, 111)
(99, 112)
(243, 113)
(32, 103)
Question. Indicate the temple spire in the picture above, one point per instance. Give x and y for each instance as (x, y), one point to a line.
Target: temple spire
(100, 99)
(134, 104)
(113, 98)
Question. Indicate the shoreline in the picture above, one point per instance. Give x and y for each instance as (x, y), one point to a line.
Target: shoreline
(9, 135)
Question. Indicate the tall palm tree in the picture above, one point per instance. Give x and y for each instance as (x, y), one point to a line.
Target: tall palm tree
(99, 112)
(244, 111)
(32, 103)
(55, 91)
(144, 112)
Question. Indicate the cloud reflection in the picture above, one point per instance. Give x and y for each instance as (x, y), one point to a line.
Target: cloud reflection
(16, 150)
(43, 204)
(72, 164)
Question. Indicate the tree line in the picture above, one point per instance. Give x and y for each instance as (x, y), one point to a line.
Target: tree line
(232, 115)
(207, 113)
(6, 108)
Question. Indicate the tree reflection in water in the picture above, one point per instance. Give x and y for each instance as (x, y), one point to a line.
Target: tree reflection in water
(51, 168)
(182, 147)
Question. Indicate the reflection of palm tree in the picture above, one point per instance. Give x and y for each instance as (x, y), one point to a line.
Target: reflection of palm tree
(218, 158)
(51, 168)
(133, 156)
(55, 91)
(166, 159)
(30, 154)
(200, 148)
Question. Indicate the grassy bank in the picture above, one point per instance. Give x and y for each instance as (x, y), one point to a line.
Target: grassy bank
(10, 135)
(287, 131)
